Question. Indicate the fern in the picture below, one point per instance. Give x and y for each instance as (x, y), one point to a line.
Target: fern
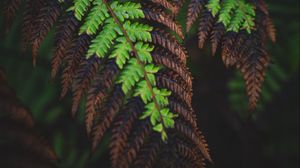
(10, 9)
(275, 77)
(240, 31)
(125, 56)
(140, 70)
(20, 145)
(235, 15)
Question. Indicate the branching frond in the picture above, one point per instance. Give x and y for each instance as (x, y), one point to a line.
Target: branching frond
(124, 57)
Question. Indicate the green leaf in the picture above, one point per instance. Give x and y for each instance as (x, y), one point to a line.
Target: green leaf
(214, 6)
(132, 73)
(121, 52)
(95, 18)
(235, 15)
(105, 40)
(127, 10)
(80, 7)
(158, 128)
(144, 52)
(143, 91)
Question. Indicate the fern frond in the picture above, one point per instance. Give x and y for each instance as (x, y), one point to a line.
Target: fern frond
(194, 10)
(205, 27)
(165, 40)
(100, 92)
(74, 57)
(231, 25)
(65, 34)
(122, 129)
(156, 14)
(20, 145)
(216, 37)
(235, 15)
(80, 7)
(9, 11)
(110, 111)
(47, 16)
(125, 57)
(168, 5)
(148, 155)
(30, 13)
(253, 65)
(82, 80)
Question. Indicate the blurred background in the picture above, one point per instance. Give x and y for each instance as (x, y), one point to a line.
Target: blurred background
(268, 138)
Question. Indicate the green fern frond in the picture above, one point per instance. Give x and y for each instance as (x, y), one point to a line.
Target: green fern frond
(95, 19)
(80, 7)
(236, 15)
(214, 6)
(119, 36)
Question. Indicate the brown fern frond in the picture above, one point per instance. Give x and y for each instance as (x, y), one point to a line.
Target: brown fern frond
(179, 5)
(194, 136)
(148, 155)
(109, 111)
(254, 60)
(157, 15)
(66, 32)
(29, 140)
(237, 47)
(16, 112)
(135, 143)
(122, 128)
(253, 65)
(32, 10)
(189, 154)
(267, 22)
(20, 145)
(99, 93)
(83, 77)
(168, 82)
(162, 57)
(164, 39)
(217, 35)
(10, 9)
(186, 113)
(168, 5)
(205, 27)
(229, 44)
(46, 18)
(73, 58)
(194, 10)
(270, 29)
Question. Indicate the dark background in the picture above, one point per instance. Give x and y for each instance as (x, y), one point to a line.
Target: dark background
(268, 138)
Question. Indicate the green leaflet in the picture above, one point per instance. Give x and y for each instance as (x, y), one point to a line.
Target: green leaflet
(137, 76)
(236, 15)
(80, 8)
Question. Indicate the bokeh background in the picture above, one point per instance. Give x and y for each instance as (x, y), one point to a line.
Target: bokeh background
(268, 138)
